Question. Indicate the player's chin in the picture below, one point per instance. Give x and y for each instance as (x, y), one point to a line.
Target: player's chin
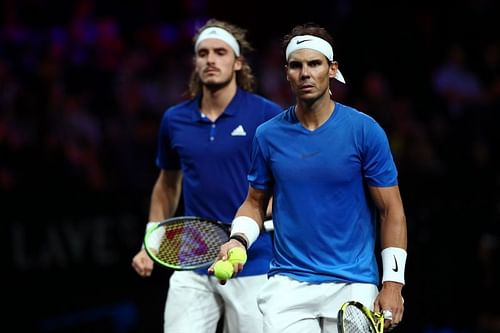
(214, 83)
(210, 80)
(308, 95)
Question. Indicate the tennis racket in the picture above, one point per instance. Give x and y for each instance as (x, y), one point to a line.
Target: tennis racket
(354, 317)
(187, 242)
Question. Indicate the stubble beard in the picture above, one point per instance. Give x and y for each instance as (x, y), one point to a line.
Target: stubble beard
(214, 86)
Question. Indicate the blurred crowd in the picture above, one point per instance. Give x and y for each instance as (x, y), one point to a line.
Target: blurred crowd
(82, 92)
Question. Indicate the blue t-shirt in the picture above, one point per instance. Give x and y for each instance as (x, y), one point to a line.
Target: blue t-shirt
(324, 219)
(215, 159)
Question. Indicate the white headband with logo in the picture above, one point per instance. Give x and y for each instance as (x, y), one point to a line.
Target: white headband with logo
(313, 43)
(219, 33)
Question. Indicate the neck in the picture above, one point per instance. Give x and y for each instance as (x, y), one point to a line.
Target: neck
(313, 115)
(215, 101)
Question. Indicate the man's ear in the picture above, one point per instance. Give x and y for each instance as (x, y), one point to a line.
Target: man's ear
(238, 64)
(334, 66)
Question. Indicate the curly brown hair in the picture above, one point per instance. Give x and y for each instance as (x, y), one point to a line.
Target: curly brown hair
(244, 77)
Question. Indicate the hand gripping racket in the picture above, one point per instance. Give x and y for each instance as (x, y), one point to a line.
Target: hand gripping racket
(187, 242)
(354, 317)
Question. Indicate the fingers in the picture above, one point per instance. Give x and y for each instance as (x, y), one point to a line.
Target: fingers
(390, 304)
(223, 255)
(392, 317)
(387, 314)
(142, 264)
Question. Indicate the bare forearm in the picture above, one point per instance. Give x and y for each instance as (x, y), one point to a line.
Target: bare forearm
(393, 231)
(392, 216)
(249, 219)
(255, 213)
(165, 196)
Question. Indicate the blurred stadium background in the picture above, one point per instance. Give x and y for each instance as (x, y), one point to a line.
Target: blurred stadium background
(83, 85)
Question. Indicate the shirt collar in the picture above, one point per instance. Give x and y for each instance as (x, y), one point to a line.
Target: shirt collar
(231, 109)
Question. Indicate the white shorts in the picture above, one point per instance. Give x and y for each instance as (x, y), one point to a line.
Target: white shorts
(196, 302)
(296, 307)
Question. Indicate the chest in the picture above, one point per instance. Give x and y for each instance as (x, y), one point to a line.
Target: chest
(223, 138)
(327, 158)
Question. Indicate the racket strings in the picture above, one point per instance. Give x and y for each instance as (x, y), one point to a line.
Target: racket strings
(190, 243)
(355, 321)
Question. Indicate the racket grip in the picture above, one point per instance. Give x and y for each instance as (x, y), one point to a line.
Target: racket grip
(268, 225)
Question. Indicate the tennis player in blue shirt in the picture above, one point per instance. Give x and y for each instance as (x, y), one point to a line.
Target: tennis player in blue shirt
(330, 169)
(204, 150)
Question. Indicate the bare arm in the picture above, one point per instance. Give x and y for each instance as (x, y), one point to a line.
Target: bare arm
(256, 206)
(393, 233)
(166, 195)
(392, 216)
(249, 219)
(164, 201)
(269, 210)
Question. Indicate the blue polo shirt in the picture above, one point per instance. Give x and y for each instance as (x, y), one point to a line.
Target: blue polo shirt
(324, 218)
(215, 159)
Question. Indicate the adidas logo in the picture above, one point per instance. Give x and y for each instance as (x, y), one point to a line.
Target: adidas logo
(239, 131)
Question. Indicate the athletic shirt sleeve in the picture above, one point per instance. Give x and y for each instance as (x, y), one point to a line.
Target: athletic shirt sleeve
(378, 164)
(259, 175)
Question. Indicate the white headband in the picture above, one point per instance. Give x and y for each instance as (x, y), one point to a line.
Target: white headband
(313, 43)
(219, 33)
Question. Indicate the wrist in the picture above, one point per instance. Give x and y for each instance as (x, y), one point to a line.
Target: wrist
(393, 285)
(241, 239)
(393, 265)
(244, 226)
(149, 225)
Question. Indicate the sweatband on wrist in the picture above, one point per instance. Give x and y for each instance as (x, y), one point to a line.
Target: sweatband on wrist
(149, 225)
(246, 226)
(393, 264)
(240, 239)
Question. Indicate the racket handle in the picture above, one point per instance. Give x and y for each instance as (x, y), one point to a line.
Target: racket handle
(268, 225)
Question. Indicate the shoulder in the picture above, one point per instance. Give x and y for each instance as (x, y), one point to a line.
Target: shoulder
(283, 118)
(357, 121)
(180, 109)
(260, 100)
(354, 114)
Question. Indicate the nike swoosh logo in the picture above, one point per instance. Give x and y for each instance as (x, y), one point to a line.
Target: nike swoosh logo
(395, 269)
(302, 41)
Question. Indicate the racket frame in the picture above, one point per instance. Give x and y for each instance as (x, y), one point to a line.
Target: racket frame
(375, 319)
(178, 220)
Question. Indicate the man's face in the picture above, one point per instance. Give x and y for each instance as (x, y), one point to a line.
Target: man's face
(309, 73)
(216, 63)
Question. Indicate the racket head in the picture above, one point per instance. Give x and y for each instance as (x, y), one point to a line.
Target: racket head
(355, 317)
(185, 242)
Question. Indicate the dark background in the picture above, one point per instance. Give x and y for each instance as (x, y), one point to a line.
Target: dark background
(83, 85)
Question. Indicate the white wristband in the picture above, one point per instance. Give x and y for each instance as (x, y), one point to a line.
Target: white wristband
(246, 226)
(393, 264)
(149, 225)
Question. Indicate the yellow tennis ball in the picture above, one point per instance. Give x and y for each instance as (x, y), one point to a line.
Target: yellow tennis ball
(237, 255)
(223, 270)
